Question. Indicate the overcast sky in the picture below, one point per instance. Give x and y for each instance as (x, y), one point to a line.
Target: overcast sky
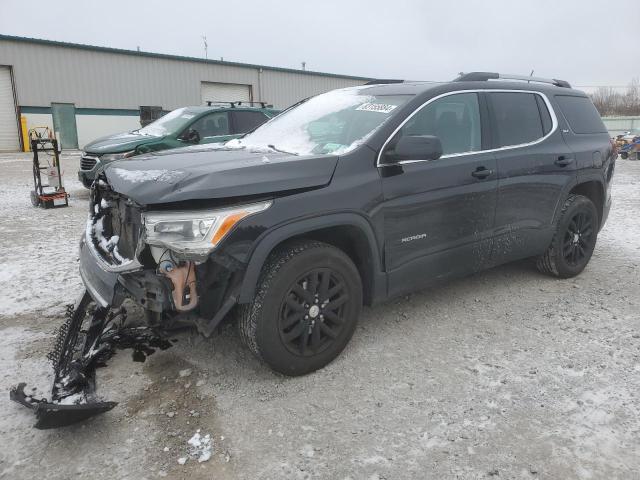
(587, 42)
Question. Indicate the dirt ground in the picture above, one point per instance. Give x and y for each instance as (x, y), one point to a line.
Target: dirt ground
(506, 374)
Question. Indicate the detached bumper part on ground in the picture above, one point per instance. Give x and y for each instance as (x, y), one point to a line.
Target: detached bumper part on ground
(88, 338)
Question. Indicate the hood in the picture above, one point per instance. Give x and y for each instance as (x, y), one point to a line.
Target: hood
(120, 142)
(213, 174)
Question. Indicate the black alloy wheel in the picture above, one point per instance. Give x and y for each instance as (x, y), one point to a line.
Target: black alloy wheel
(576, 232)
(312, 312)
(578, 238)
(306, 308)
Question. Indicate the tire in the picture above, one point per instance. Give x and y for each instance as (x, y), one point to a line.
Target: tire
(574, 239)
(624, 155)
(35, 199)
(285, 325)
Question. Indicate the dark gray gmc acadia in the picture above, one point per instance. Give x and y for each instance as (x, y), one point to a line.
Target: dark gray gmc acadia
(351, 197)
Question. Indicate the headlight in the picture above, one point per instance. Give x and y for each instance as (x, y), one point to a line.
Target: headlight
(195, 233)
(117, 156)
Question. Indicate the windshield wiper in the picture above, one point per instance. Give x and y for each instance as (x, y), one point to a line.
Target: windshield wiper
(273, 147)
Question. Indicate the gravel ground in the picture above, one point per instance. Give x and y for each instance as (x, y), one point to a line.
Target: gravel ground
(506, 374)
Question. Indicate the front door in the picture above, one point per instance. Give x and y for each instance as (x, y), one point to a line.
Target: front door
(64, 124)
(439, 214)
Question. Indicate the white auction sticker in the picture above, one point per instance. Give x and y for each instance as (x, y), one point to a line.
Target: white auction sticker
(376, 107)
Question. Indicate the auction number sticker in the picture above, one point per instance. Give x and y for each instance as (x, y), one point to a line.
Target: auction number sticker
(376, 107)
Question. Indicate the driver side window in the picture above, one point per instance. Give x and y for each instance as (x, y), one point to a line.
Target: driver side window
(212, 125)
(454, 119)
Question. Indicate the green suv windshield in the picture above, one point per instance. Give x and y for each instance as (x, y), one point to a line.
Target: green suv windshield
(332, 123)
(173, 121)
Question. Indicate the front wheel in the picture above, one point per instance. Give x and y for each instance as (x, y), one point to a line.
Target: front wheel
(306, 308)
(574, 239)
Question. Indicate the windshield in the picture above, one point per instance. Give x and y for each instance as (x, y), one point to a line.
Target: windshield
(332, 123)
(174, 121)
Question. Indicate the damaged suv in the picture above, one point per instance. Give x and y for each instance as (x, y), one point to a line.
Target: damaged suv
(350, 198)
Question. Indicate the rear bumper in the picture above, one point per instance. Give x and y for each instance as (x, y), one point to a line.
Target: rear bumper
(605, 211)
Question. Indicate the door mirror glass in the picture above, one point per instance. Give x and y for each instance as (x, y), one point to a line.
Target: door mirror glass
(414, 147)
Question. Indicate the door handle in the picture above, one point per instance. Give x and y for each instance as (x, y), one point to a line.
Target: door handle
(563, 161)
(481, 172)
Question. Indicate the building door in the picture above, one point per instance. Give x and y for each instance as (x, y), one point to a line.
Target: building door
(225, 92)
(64, 124)
(9, 140)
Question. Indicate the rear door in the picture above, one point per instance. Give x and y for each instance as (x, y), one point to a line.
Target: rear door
(535, 166)
(438, 214)
(244, 121)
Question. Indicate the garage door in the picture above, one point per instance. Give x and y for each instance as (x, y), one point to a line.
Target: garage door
(9, 140)
(225, 92)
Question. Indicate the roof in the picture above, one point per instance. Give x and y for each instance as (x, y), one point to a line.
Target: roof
(82, 46)
(404, 88)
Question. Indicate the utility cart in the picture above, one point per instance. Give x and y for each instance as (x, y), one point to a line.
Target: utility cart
(51, 194)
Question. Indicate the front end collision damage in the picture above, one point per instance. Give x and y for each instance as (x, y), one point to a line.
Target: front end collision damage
(116, 264)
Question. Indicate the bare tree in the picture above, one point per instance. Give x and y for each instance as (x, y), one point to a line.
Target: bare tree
(609, 102)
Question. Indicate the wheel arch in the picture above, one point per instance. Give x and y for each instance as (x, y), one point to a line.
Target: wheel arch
(350, 232)
(594, 191)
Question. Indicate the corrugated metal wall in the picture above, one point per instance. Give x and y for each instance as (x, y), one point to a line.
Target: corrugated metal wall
(620, 125)
(46, 73)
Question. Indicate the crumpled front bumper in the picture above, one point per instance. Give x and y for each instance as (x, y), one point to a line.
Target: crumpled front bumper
(100, 283)
(109, 285)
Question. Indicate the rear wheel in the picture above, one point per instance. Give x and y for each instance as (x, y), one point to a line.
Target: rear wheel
(574, 239)
(306, 308)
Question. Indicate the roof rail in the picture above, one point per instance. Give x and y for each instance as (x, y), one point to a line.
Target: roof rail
(383, 81)
(238, 103)
(485, 76)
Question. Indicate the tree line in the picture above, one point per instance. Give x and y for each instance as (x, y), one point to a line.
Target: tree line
(611, 103)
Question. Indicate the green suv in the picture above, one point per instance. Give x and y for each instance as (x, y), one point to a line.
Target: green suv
(185, 126)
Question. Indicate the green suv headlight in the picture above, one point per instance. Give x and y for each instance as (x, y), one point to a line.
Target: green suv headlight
(117, 156)
(195, 233)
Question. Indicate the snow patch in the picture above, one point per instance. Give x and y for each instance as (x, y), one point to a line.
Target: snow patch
(201, 447)
(140, 176)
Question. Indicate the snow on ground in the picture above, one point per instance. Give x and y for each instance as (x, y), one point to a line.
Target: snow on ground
(505, 374)
(38, 259)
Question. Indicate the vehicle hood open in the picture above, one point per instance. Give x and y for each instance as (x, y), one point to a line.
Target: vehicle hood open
(202, 174)
(121, 142)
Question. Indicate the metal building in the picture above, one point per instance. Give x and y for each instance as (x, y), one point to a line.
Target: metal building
(83, 92)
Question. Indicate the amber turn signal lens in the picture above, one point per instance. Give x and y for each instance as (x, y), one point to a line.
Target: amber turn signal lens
(227, 225)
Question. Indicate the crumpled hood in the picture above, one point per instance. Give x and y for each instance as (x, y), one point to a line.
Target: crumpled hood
(168, 176)
(121, 142)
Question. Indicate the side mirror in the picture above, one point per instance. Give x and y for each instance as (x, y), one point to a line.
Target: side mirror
(190, 136)
(415, 147)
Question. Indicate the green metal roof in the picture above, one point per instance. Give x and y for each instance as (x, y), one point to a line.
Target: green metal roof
(121, 51)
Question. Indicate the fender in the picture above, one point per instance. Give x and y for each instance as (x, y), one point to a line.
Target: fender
(580, 179)
(270, 239)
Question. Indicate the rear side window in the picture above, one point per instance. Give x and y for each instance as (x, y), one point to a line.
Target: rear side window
(517, 118)
(581, 114)
(547, 124)
(247, 121)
